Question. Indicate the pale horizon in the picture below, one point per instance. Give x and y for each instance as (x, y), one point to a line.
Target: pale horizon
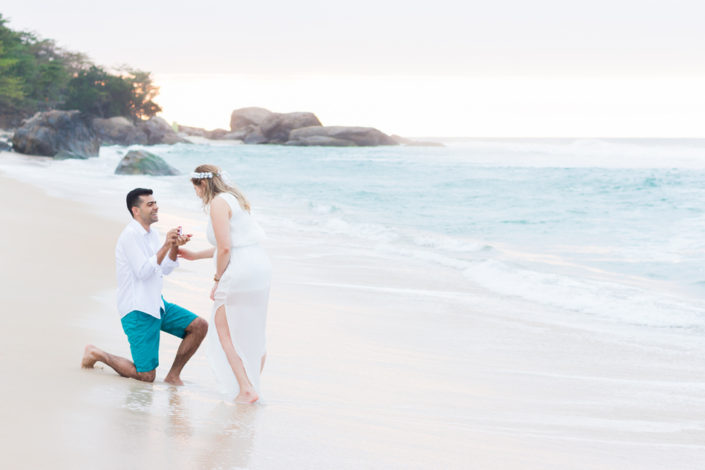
(608, 69)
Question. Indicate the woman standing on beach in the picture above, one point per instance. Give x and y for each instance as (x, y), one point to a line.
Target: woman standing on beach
(236, 346)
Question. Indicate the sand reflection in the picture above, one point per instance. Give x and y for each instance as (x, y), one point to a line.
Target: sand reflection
(179, 424)
(179, 428)
(139, 396)
(229, 437)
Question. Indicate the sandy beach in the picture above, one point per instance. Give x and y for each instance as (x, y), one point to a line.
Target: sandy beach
(53, 265)
(360, 374)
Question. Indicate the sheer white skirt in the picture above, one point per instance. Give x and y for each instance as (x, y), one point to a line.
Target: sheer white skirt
(244, 291)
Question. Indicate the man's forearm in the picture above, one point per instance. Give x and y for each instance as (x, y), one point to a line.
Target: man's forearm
(161, 254)
(173, 253)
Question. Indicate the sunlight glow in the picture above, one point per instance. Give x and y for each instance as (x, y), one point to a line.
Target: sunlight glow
(452, 106)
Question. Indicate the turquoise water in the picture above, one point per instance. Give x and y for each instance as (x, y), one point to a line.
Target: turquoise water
(601, 228)
(630, 213)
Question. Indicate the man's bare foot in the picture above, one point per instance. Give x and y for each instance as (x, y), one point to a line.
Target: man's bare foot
(173, 380)
(246, 396)
(90, 356)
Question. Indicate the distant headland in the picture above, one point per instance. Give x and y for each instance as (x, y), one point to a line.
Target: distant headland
(57, 103)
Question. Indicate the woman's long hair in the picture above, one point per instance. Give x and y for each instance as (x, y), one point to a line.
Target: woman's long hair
(215, 185)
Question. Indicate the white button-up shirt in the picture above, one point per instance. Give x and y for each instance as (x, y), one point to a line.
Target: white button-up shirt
(138, 274)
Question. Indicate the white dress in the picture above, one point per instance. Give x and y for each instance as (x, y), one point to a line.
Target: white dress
(244, 291)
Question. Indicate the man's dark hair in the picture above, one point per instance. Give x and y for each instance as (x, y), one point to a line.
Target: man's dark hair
(133, 197)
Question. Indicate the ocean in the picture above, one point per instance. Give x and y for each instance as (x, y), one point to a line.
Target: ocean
(603, 229)
(536, 285)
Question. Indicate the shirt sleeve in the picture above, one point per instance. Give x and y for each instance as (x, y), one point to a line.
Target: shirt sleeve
(168, 265)
(142, 266)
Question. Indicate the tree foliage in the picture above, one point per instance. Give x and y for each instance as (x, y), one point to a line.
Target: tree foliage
(36, 75)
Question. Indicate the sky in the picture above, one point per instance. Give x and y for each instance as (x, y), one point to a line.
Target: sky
(507, 68)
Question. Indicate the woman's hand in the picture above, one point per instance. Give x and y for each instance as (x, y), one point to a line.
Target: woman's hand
(186, 254)
(215, 287)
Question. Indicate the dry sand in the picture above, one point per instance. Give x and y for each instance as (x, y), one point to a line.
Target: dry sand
(54, 260)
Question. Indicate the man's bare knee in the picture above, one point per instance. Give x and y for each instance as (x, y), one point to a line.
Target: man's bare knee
(199, 327)
(147, 376)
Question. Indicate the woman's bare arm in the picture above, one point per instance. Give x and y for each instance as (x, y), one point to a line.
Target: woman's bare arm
(220, 218)
(194, 255)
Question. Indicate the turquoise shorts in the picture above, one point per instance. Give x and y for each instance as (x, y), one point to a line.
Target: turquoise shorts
(143, 331)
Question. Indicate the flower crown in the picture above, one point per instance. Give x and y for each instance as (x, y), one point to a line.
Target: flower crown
(202, 175)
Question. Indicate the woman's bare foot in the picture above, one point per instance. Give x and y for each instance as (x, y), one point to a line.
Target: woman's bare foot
(173, 380)
(91, 355)
(246, 396)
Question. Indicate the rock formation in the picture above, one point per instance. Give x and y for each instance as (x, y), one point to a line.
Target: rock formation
(261, 126)
(120, 131)
(246, 118)
(159, 131)
(215, 134)
(49, 133)
(276, 128)
(339, 136)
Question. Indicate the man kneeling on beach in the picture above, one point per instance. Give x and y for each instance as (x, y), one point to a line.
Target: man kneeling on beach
(141, 264)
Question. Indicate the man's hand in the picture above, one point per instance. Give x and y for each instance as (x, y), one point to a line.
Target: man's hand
(183, 239)
(174, 240)
(172, 236)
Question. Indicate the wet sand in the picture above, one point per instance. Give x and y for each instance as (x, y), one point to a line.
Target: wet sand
(371, 364)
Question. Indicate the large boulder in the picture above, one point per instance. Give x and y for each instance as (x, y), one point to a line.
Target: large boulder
(276, 128)
(255, 136)
(139, 162)
(248, 118)
(338, 136)
(51, 132)
(158, 131)
(118, 131)
(261, 126)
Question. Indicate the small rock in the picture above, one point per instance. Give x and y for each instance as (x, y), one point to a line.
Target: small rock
(139, 162)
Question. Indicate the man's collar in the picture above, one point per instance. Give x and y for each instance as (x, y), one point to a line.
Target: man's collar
(138, 226)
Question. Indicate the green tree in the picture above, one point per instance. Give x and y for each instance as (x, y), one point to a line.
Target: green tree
(142, 105)
(102, 94)
(10, 86)
(36, 74)
(96, 92)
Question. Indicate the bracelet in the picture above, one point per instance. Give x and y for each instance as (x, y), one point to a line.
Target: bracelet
(216, 278)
